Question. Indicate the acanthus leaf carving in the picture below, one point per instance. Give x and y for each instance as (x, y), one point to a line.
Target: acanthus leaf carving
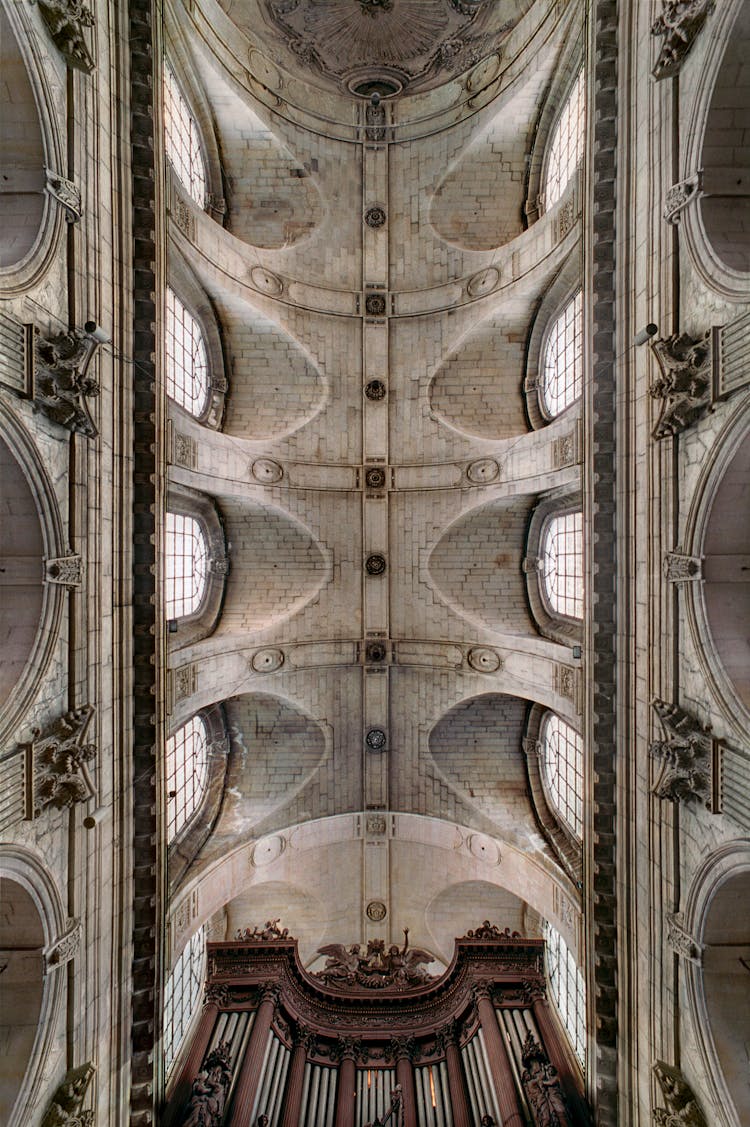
(683, 759)
(682, 1108)
(66, 571)
(65, 1105)
(681, 568)
(65, 947)
(65, 20)
(684, 386)
(680, 195)
(679, 24)
(61, 384)
(67, 194)
(60, 758)
(680, 939)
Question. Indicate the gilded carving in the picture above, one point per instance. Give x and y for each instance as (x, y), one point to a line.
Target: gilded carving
(60, 758)
(65, 20)
(682, 1108)
(683, 758)
(678, 24)
(684, 385)
(65, 1106)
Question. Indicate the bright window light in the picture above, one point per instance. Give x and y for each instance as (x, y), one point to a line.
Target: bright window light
(562, 373)
(186, 558)
(566, 147)
(186, 773)
(182, 140)
(181, 995)
(567, 988)
(562, 564)
(562, 759)
(187, 365)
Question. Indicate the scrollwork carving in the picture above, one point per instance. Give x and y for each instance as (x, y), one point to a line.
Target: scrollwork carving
(66, 947)
(680, 939)
(65, 1106)
(683, 759)
(682, 1108)
(66, 193)
(684, 386)
(680, 195)
(65, 20)
(61, 384)
(679, 24)
(60, 758)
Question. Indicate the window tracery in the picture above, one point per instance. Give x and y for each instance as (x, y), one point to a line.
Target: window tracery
(186, 758)
(182, 993)
(561, 564)
(182, 140)
(566, 147)
(562, 762)
(186, 565)
(187, 361)
(567, 988)
(562, 371)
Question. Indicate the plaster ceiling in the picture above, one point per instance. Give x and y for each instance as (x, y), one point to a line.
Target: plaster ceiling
(363, 46)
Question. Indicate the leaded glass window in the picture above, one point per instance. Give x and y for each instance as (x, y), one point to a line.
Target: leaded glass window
(186, 773)
(561, 564)
(562, 760)
(186, 565)
(562, 370)
(566, 147)
(182, 994)
(187, 363)
(182, 140)
(567, 988)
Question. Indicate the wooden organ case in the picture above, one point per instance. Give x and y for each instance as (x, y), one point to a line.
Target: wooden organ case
(276, 1046)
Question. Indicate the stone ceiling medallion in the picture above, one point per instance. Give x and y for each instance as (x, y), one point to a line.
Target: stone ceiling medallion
(375, 739)
(376, 911)
(386, 46)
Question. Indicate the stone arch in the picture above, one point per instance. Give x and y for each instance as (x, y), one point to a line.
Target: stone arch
(715, 977)
(32, 534)
(718, 617)
(717, 222)
(32, 155)
(31, 917)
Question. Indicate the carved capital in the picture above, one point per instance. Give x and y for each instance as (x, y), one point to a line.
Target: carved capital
(402, 1048)
(65, 20)
(60, 758)
(346, 1048)
(67, 194)
(684, 386)
(681, 941)
(65, 1106)
(217, 994)
(66, 571)
(683, 758)
(679, 24)
(681, 195)
(680, 568)
(448, 1034)
(269, 992)
(66, 947)
(681, 1107)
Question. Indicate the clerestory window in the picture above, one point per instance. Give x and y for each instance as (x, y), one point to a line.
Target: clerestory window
(562, 763)
(182, 140)
(562, 370)
(186, 565)
(566, 147)
(561, 564)
(182, 994)
(187, 363)
(186, 773)
(567, 988)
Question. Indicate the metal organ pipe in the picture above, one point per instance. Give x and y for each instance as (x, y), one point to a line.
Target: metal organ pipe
(471, 1080)
(445, 1093)
(261, 1099)
(305, 1105)
(278, 1083)
(315, 1089)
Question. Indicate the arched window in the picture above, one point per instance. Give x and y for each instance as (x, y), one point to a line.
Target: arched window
(562, 369)
(182, 140)
(566, 146)
(187, 363)
(186, 552)
(562, 761)
(181, 995)
(561, 564)
(186, 773)
(567, 988)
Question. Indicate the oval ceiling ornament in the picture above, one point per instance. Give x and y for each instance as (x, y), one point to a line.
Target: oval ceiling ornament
(484, 660)
(267, 471)
(484, 282)
(267, 661)
(483, 471)
(267, 850)
(484, 849)
(484, 72)
(266, 281)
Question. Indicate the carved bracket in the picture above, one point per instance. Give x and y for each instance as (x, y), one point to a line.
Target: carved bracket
(681, 568)
(679, 24)
(65, 1106)
(66, 947)
(65, 20)
(66, 571)
(66, 193)
(60, 384)
(681, 195)
(681, 941)
(60, 758)
(682, 1109)
(684, 759)
(684, 386)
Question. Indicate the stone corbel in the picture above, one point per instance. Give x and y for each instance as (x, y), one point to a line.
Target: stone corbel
(679, 24)
(60, 758)
(65, 1107)
(684, 386)
(681, 195)
(678, 567)
(65, 20)
(66, 193)
(681, 941)
(681, 1107)
(65, 571)
(65, 947)
(683, 761)
(60, 385)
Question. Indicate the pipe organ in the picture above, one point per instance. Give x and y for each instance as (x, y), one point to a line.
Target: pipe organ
(374, 1039)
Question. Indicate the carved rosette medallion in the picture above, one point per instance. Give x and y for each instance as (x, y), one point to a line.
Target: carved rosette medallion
(267, 661)
(267, 471)
(375, 305)
(375, 565)
(375, 478)
(375, 739)
(375, 217)
(484, 660)
(483, 471)
(375, 653)
(376, 911)
(375, 390)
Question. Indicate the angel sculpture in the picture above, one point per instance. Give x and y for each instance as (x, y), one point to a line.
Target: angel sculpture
(408, 966)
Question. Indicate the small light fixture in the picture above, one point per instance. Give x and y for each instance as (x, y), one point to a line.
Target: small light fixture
(643, 335)
(577, 652)
(172, 626)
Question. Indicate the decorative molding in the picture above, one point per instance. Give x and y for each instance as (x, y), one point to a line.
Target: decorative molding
(184, 682)
(61, 777)
(684, 759)
(65, 947)
(681, 195)
(678, 567)
(568, 683)
(67, 194)
(210, 1089)
(679, 24)
(682, 1108)
(65, 20)
(67, 571)
(680, 939)
(567, 450)
(684, 387)
(65, 1106)
(541, 1085)
(184, 450)
(61, 386)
